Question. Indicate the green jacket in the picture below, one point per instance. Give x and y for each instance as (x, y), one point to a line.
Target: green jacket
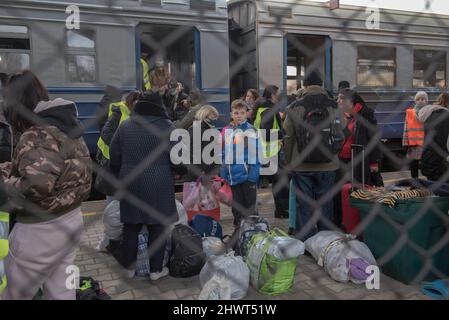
(294, 116)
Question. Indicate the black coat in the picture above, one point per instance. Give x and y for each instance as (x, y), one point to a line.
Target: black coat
(142, 143)
(107, 133)
(365, 135)
(433, 162)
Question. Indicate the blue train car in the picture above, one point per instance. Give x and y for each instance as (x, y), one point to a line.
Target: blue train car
(77, 64)
(282, 40)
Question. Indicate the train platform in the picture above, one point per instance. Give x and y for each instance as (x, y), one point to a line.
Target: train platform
(311, 281)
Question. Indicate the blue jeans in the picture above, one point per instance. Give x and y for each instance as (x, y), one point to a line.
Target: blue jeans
(313, 187)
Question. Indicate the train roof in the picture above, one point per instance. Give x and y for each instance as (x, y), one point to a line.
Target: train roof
(121, 11)
(348, 17)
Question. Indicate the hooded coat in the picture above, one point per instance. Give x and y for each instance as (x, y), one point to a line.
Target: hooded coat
(51, 170)
(434, 161)
(140, 153)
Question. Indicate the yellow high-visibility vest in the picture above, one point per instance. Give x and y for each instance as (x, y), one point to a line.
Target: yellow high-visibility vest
(271, 148)
(145, 75)
(104, 148)
(4, 247)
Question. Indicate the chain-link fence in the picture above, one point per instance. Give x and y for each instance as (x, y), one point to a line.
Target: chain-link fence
(329, 165)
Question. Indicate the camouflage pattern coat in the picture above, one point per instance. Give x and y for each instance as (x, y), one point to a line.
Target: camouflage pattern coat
(51, 169)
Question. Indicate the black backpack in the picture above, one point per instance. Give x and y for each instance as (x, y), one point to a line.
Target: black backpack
(318, 128)
(187, 257)
(90, 290)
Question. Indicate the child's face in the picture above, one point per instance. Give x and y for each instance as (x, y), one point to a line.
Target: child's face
(238, 116)
(421, 101)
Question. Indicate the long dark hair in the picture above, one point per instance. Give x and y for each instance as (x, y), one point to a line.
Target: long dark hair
(23, 92)
(270, 91)
(353, 96)
(267, 95)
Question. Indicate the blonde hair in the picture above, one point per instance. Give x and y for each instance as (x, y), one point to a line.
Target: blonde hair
(207, 112)
(239, 104)
(421, 94)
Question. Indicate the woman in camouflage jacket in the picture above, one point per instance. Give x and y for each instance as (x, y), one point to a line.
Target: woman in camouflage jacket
(50, 177)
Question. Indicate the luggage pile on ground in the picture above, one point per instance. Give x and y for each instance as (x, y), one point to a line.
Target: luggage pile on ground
(265, 259)
(416, 207)
(343, 257)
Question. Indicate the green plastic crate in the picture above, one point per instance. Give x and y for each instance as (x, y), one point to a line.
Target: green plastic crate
(381, 236)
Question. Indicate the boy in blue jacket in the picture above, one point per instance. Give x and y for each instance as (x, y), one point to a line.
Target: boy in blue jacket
(241, 165)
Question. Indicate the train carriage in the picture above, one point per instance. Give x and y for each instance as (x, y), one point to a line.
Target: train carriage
(78, 64)
(282, 40)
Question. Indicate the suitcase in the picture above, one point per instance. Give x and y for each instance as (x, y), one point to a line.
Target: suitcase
(351, 216)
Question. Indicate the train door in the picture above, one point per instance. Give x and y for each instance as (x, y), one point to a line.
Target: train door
(304, 53)
(175, 45)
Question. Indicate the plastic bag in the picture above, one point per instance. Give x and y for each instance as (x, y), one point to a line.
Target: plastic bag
(224, 193)
(182, 214)
(269, 274)
(341, 255)
(217, 288)
(113, 227)
(213, 246)
(191, 194)
(232, 268)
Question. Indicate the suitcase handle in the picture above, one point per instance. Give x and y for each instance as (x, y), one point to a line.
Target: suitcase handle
(358, 146)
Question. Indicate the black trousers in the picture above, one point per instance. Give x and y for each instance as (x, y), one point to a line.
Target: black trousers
(244, 197)
(131, 241)
(414, 168)
(280, 188)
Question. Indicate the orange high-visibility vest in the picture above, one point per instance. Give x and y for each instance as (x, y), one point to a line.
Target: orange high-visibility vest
(414, 131)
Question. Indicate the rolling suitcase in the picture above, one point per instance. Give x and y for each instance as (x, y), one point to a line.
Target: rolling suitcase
(351, 216)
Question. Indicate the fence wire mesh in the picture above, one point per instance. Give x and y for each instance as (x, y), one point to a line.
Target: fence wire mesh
(413, 228)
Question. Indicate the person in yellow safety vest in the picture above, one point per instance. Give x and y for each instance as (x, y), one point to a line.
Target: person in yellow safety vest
(145, 75)
(118, 112)
(4, 247)
(413, 137)
(269, 119)
(266, 117)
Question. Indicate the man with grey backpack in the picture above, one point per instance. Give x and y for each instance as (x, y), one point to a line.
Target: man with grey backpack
(312, 139)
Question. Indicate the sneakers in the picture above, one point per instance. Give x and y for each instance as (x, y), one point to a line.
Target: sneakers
(157, 275)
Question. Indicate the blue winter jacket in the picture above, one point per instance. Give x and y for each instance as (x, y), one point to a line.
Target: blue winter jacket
(240, 154)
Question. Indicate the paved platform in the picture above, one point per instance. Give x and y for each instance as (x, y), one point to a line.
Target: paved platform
(311, 281)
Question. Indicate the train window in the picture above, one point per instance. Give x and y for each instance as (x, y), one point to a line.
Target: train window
(429, 68)
(13, 29)
(14, 49)
(81, 39)
(376, 66)
(81, 68)
(81, 56)
(12, 62)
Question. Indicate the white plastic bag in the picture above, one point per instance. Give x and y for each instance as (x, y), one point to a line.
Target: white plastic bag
(335, 250)
(213, 246)
(234, 271)
(113, 228)
(217, 288)
(182, 214)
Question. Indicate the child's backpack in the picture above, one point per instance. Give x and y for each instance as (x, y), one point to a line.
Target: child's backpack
(249, 227)
(90, 290)
(319, 129)
(206, 226)
(187, 252)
